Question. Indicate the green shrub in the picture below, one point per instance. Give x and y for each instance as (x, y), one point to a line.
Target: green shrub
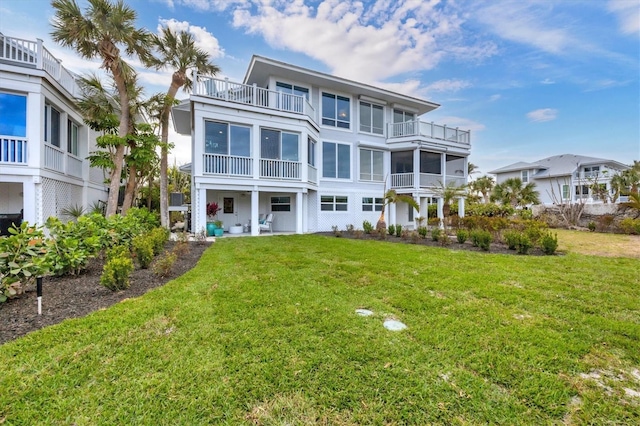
(525, 214)
(489, 210)
(592, 226)
(115, 274)
(422, 231)
(398, 230)
(444, 239)
(142, 247)
(433, 221)
(23, 257)
(435, 234)
(118, 251)
(462, 236)
(71, 244)
(367, 227)
(481, 238)
(535, 229)
(630, 226)
(163, 266)
(391, 229)
(159, 237)
(549, 243)
(511, 238)
(524, 244)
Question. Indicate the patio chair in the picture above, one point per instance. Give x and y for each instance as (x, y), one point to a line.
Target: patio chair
(266, 225)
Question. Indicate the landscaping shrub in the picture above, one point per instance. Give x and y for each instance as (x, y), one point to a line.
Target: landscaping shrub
(142, 247)
(367, 227)
(398, 230)
(391, 229)
(481, 238)
(462, 236)
(435, 234)
(422, 231)
(511, 238)
(181, 248)
(592, 226)
(159, 237)
(524, 244)
(118, 251)
(414, 237)
(604, 222)
(549, 243)
(115, 274)
(336, 231)
(71, 245)
(444, 239)
(489, 210)
(630, 226)
(164, 264)
(433, 221)
(22, 259)
(525, 214)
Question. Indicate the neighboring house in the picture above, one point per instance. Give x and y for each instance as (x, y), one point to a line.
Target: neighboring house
(313, 149)
(43, 141)
(566, 177)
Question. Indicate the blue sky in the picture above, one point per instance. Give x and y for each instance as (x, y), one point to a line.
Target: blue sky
(529, 78)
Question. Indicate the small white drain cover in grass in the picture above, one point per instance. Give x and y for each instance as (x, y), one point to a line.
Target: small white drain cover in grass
(394, 325)
(364, 312)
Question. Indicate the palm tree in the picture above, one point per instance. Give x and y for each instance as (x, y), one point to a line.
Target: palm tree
(483, 185)
(513, 192)
(391, 197)
(178, 52)
(471, 169)
(105, 27)
(448, 193)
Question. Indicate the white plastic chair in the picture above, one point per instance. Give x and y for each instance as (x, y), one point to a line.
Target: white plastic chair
(266, 226)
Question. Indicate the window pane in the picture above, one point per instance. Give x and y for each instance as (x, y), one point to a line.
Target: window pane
(378, 166)
(340, 199)
(326, 199)
(328, 109)
(13, 115)
(269, 144)
(290, 146)
(311, 152)
(367, 200)
(72, 138)
(402, 162)
(398, 116)
(326, 207)
(55, 127)
(240, 141)
(430, 162)
(215, 138)
(284, 87)
(365, 164)
(378, 120)
(344, 110)
(344, 162)
(367, 207)
(301, 91)
(365, 117)
(328, 160)
(341, 207)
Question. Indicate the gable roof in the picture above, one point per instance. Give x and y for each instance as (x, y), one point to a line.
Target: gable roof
(559, 165)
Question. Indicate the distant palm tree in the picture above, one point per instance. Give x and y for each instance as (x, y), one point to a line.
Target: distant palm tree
(448, 193)
(483, 185)
(99, 33)
(515, 193)
(178, 52)
(471, 169)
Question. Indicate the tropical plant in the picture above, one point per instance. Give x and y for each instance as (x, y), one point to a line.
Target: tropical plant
(177, 51)
(448, 193)
(483, 185)
(212, 209)
(513, 192)
(101, 32)
(392, 197)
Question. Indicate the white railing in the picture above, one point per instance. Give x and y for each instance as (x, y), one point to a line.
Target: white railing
(428, 179)
(228, 165)
(402, 180)
(74, 166)
(312, 174)
(33, 54)
(455, 180)
(13, 150)
(430, 130)
(253, 95)
(280, 169)
(53, 158)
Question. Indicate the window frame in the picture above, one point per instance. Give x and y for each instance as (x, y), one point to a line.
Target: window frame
(524, 176)
(326, 120)
(566, 192)
(372, 106)
(280, 203)
(311, 152)
(73, 146)
(336, 158)
(334, 203)
(372, 204)
(23, 117)
(372, 174)
(48, 125)
(228, 146)
(280, 144)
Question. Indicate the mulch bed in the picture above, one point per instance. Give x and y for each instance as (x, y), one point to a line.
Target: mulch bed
(76, 296)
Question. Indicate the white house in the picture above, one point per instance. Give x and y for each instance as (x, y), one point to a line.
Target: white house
(313, 149)
(43, 141)
(566, 177)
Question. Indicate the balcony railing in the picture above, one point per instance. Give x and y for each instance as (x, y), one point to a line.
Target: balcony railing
(74, 166)
(228, 165)
(402, 180)
(13, 150)
(312, 173)
(427, 180)
(253, 95)
(279, 169)
(429, 130)
(53, 158)
(33, 54)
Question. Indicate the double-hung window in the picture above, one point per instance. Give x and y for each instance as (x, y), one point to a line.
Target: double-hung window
(277, 145)
(525, 176)
(565, 192)
(280, 204)
(72, 138)
(371, 118)
(370, 204)
(52, 125)
(336, 160)
(291, 103)
(330, 203)
(336, 110)
(371, 165)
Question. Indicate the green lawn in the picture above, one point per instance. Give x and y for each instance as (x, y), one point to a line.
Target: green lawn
(263, 331)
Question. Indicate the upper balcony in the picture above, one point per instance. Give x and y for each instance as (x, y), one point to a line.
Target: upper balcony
(430, 131)
(253, 95)
(32, 54)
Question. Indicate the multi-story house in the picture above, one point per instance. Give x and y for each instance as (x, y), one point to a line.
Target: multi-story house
(313, 149)
(566, 178)
(43, 141)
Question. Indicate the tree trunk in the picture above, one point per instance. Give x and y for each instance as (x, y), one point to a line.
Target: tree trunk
(164, 154)
(130, 189)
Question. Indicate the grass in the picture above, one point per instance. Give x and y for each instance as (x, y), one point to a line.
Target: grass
(599, 244)
(263, 331)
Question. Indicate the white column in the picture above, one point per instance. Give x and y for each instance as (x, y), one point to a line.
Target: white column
(440, 210)
(416, 213)
(255, 206)
(199, 211)
(305, 212)
(255, 151)
(461, 206)
(299, 215)
(416, 168)
(443, 169)
(392, 215)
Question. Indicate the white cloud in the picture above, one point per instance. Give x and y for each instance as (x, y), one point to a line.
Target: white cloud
(628, 14)
(494, 98)
(543, 114)
(547, 81)
(203, 39)
(447, 85)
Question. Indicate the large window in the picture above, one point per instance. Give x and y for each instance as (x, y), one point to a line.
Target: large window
(330, 203)
(371, 118)
(227, 139)
(52, 125)
(277, 145)
(292, 89)
(72, 138)
(370, 204)
(402, 162)
(431, 163)
(311, 152)
(336, 110)
(336, 160)
(13, 115)
(280, 204)
(565, 192)
(400, 116)
(371, 165)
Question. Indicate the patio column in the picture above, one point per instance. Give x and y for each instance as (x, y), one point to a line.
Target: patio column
(441, 211)
(416, 168)
(392, 214)
(299, 213)
(461, 206)
(255, 206)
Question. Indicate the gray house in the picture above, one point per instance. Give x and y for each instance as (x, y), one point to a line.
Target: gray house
(565, 177)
